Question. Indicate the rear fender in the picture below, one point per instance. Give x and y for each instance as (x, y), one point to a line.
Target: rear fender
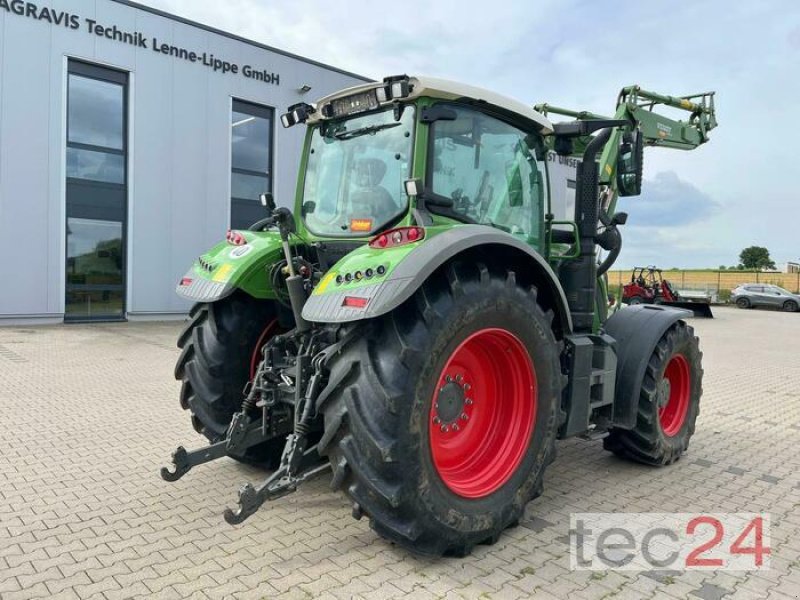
(636, 330)
(407, 267)
(225, 268)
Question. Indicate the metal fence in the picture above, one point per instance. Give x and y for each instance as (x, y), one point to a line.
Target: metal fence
(715, 283)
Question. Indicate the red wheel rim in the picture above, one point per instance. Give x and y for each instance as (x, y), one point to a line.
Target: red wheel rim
(674, 398)
(262, 339)
(482, 413)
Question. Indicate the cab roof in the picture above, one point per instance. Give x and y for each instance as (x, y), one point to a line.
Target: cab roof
(450, 90)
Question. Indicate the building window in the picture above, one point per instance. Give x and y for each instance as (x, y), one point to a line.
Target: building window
(96, 192)
(251, 161)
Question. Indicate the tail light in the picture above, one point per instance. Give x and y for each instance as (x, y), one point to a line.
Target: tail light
(397, 237)
(355, 302)
(235, 238)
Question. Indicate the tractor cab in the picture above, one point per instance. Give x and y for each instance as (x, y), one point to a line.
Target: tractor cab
(420, 151)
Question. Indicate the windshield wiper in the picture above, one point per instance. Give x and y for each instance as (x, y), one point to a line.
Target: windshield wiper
(371, 129)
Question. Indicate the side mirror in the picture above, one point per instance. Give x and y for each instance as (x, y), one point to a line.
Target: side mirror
(629, 169)
(267, 201)
(413, 187)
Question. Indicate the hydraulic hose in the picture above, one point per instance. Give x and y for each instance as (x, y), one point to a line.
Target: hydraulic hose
(613, 254)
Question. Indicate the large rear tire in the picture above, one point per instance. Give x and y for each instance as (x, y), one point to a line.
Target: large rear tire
(669, 402)
(446, 418)
(220, 350)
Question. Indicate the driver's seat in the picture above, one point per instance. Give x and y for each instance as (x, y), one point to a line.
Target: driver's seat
(369, 192)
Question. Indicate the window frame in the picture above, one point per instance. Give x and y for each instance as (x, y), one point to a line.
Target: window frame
(446, 211)
(119, 77)
(262, 111)
(107, 75)
(415, 121)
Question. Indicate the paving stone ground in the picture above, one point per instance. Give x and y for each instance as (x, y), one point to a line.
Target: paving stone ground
(88, 414)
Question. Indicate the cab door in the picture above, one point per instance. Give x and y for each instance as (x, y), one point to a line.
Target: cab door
(488, 171)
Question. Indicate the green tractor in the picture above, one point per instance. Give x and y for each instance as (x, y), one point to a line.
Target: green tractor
(423, 326)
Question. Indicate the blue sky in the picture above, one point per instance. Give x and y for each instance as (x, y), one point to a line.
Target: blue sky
(698, 208)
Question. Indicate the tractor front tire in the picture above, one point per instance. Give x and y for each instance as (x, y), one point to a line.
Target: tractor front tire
(635, 300)
(447, 410)
(220, 348)
(669, 402)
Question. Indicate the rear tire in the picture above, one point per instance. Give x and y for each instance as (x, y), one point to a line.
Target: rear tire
(669, 402)
(219, 349)
(743, 302)
(790, 306)
(383, 424)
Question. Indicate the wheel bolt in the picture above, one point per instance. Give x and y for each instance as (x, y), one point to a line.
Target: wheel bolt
(467, 387)
(436, 405)
(455, 426)
(464, 417)
(459, 378)
(468, 401)
(444, 429)
(448, 379)
(436, 420)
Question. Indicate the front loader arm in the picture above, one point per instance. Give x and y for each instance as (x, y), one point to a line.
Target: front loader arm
(636, 106)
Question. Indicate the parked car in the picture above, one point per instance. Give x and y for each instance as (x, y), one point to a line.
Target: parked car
(751, 295)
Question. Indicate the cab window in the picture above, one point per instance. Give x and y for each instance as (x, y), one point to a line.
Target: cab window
(489, 171)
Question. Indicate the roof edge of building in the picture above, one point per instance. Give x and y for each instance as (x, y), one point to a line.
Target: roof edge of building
(238, 38)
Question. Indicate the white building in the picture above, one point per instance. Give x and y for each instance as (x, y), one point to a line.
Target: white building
(130, 140)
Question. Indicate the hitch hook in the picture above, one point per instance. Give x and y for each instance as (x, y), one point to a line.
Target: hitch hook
(181, 461)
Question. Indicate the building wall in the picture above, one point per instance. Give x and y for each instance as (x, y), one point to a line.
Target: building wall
(179, 146)
(562, 171)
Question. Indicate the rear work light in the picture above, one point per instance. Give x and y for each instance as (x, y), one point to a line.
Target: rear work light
(235, 238)
(355, 302)
(397, 237)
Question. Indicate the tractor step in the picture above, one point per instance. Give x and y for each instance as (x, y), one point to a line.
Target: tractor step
(592, 436)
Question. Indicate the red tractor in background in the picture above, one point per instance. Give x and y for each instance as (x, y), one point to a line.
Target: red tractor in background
(648, 286)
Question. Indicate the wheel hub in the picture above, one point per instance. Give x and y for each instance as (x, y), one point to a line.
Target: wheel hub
(450, 403)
